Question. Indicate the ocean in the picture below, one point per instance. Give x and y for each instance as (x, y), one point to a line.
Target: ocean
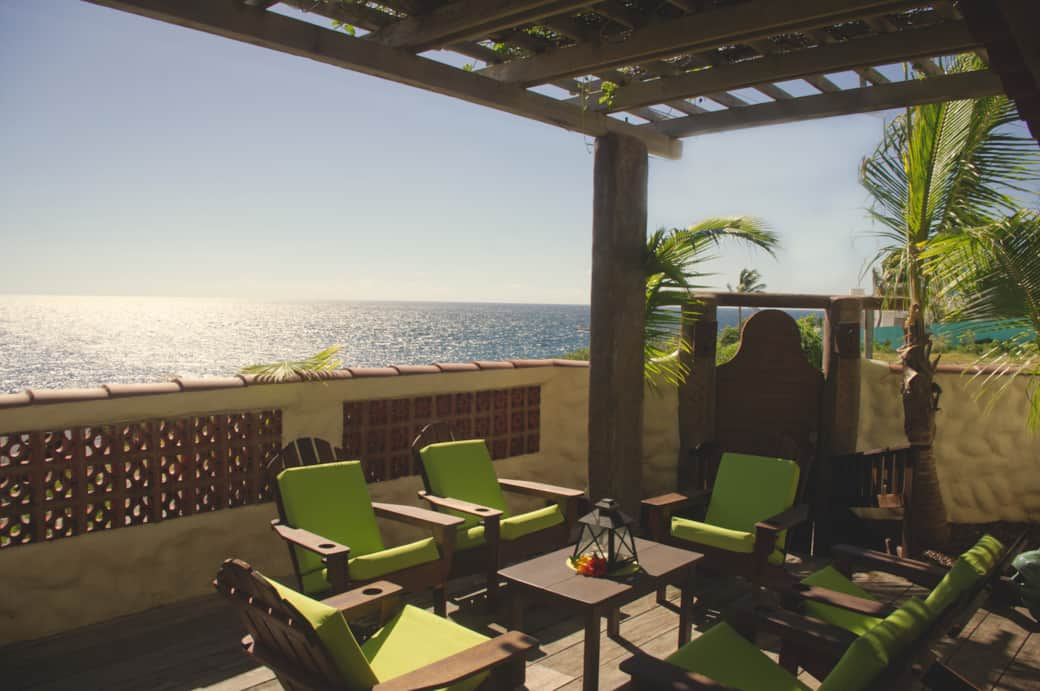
(60, 341)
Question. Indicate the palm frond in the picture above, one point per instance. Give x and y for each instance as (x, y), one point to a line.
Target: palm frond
(315, 367)
(671, 267)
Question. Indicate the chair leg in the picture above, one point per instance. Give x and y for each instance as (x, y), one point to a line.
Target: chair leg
(440, 601)
(662, 594)
(492, 589)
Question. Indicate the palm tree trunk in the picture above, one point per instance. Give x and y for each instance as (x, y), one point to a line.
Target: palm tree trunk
(920, 402)
(740, 317)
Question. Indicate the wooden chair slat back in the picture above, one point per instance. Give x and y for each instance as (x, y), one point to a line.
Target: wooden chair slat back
(302, 452)
(881, 477)
(281, 632)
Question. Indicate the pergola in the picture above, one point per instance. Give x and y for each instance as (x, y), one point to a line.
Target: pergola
(639, 75)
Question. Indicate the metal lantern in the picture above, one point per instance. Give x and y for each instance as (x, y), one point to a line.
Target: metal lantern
(607, 532)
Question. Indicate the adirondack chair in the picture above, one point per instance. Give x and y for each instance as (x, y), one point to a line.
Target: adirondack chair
(751, 506)
(890, 649)
(830, 596)
(460, 480)
(886, 657)
(871, 497)
(328, 521)
(309, 644)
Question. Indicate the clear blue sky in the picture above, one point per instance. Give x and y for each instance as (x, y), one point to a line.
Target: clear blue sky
(140, 158)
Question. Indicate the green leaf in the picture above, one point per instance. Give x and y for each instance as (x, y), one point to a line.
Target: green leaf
(315, 367)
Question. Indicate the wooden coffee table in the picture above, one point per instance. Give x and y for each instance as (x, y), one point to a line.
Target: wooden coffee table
(548, 578)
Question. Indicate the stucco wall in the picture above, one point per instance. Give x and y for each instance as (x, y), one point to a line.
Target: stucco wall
(99, 576)
(988, 461)
(660, 439)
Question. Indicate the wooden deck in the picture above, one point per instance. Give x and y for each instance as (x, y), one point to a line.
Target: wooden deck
(194, 645)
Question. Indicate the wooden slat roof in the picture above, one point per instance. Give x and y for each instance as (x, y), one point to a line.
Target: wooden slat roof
(658, 70)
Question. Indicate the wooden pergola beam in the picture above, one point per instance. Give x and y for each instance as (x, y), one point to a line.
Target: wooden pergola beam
(232, 19)
(691, 33)
(895, 47)
(863, 100)
(469, 19)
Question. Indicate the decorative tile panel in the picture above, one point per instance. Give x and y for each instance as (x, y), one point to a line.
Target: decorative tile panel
(59, 483)
(380, 432)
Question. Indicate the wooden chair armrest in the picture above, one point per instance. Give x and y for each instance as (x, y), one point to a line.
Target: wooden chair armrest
(334, 555)
(451, 670)
(312, 542)
(784, 520)
(459, 505)
(540, 489)
(808, 593)
(803, 631)
(442, 525)
(651, 673)
(919, 572)
(666, 502)
(360, 601)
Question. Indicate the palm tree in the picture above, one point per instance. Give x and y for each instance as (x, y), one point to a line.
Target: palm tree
(748, 282)
(991, 273)
(671, 264)
(940, 169)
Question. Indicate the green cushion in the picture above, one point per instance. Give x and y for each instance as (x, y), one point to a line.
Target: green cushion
(832, 579)
(378, 564)
(463, 470)
(334, 633)
(872, 652)
(468, 538)
(331, 500)
(983, 557)
(713, 535)
(957, 580)
(415, 638)
(531, 522)
(511, 528)
(749, 489)
(727, 657)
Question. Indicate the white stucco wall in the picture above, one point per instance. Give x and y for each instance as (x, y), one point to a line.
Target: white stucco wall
(102, 575)
(988, 461)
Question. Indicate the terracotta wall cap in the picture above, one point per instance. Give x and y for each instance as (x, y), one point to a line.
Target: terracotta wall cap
(493, 364)
(42, 396)
(14, 400)
(210, 383)
(416, 369)
(256, 380)
(531, 363)
(361, 372)
(121, 390)
(183, 384)
(337, 374)
(456, 366)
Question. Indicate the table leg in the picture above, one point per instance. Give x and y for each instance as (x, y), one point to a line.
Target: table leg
(590, 672)
(614, 622)
(516, 608)
(686, 610)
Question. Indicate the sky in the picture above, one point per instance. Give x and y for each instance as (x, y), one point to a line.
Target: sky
(141, 158)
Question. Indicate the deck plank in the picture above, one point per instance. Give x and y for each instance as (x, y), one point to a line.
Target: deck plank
(195, 644)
